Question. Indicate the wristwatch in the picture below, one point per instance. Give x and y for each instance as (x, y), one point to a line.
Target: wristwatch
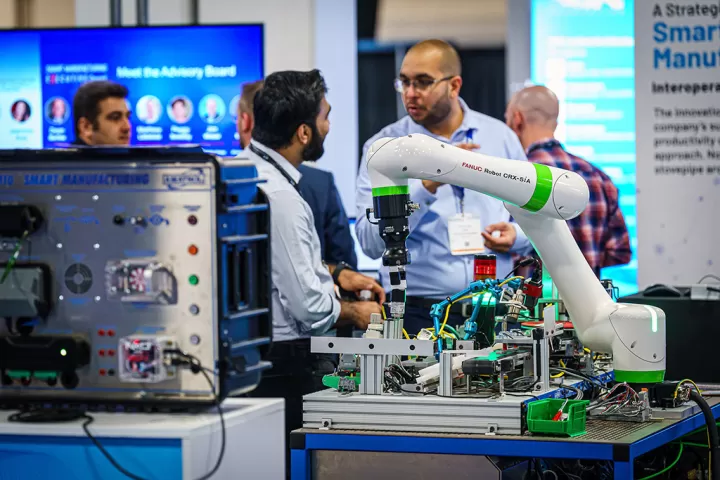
(338, 269)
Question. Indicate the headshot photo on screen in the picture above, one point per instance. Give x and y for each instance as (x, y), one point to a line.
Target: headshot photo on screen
(149, 109)
(234, 107)
(180, 109)
(212, 108)
(20, 111)
(57, 111)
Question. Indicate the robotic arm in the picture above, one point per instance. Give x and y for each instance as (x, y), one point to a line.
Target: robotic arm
(541, 199)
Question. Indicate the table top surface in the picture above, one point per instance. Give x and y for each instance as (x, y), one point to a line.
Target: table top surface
(149, 425)
(598, 431)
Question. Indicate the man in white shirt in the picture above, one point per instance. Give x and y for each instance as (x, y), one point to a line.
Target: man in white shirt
(291, 122)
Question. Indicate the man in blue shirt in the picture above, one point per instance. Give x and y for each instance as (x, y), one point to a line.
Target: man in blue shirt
(318, 189)
(429, 82)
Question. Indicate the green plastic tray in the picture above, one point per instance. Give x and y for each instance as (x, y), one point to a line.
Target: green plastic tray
(541, 412)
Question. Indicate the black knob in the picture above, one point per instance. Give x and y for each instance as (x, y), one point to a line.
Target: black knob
(119, 220)
(69, 380)
(52, 381)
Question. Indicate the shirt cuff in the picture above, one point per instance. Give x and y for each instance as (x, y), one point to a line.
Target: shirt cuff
(420, 195)
(328, 323)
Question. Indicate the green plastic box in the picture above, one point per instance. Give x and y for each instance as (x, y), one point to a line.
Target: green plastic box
(540, 417)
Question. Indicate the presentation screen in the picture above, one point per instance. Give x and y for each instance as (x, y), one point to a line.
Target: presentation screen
(184, 82)
(584, 51)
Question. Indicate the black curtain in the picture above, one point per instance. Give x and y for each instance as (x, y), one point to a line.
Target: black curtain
(484, 87)
(376, 95)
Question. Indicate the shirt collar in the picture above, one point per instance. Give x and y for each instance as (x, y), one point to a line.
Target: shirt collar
(281, 161)
(462, 129)
(540, 143)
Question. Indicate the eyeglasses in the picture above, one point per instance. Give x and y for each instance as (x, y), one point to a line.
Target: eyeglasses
(420, 85)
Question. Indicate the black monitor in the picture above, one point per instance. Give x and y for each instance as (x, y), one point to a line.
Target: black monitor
(693, 332)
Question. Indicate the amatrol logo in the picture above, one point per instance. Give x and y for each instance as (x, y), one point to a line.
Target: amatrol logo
(188, 178)
(472, 167)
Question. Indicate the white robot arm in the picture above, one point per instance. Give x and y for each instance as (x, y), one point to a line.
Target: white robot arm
(540, 199)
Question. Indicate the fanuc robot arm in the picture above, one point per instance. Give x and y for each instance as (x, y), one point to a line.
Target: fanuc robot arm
(541, 199)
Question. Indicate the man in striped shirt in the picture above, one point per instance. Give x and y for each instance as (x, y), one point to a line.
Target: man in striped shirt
(599, 231)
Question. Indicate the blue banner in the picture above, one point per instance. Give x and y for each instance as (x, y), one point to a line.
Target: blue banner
(584, 51)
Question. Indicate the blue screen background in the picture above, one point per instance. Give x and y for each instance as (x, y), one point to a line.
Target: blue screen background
(59, 61)
(555, 26)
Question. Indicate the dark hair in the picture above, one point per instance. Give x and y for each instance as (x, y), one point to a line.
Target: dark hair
(179, 100)
(286, 101)
(88, 97)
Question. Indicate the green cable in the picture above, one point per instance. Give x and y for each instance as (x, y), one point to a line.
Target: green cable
(452, 330)
(669, 467)
(13, 258)
(691, 444)
(698, 430)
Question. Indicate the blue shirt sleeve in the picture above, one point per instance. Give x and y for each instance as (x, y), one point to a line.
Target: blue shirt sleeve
(515, 151)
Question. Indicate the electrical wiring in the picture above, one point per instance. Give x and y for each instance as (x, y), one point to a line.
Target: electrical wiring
(453, 331)
(48, 415)
(508, 280)
(669, 467)
(394, 376)
(570, 476)
(684, 393)
(578, 393)
(709, 275)
(620, 400)
(447, 309)
(712, 433)
(578, 374)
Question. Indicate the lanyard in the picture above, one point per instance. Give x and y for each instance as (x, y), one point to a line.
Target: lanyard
(460, 195)
(272, 162)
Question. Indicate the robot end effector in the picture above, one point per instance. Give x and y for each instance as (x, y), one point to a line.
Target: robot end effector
(540, 199)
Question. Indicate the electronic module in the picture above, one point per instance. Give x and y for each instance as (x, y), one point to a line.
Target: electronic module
(135, 275)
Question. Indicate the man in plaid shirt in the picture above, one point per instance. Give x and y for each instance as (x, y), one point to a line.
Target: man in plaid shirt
(600, 230)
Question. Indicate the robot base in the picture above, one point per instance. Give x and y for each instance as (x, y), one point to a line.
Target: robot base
(422, 413)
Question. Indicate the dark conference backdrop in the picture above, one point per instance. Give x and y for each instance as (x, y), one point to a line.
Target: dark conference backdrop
(184, 82)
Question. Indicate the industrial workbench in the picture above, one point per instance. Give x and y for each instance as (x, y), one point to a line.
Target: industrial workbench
(326, 454)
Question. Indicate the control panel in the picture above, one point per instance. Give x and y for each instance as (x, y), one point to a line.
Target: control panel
(114, 276)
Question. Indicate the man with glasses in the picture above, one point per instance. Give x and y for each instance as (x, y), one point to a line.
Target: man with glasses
(429, 83)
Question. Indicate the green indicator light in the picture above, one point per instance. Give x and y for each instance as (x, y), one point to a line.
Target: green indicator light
(63, 352)
(193, 280)
(653, 319)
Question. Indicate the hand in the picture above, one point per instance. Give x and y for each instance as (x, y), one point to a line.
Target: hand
(468, 146)
(431, 186)
(362, 312)
(357, 282)
(503, 242)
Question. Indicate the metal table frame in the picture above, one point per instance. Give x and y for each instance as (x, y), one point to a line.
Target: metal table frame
(621, 453)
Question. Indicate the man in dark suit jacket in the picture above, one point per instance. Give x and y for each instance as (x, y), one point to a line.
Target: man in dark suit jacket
(318, 189)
